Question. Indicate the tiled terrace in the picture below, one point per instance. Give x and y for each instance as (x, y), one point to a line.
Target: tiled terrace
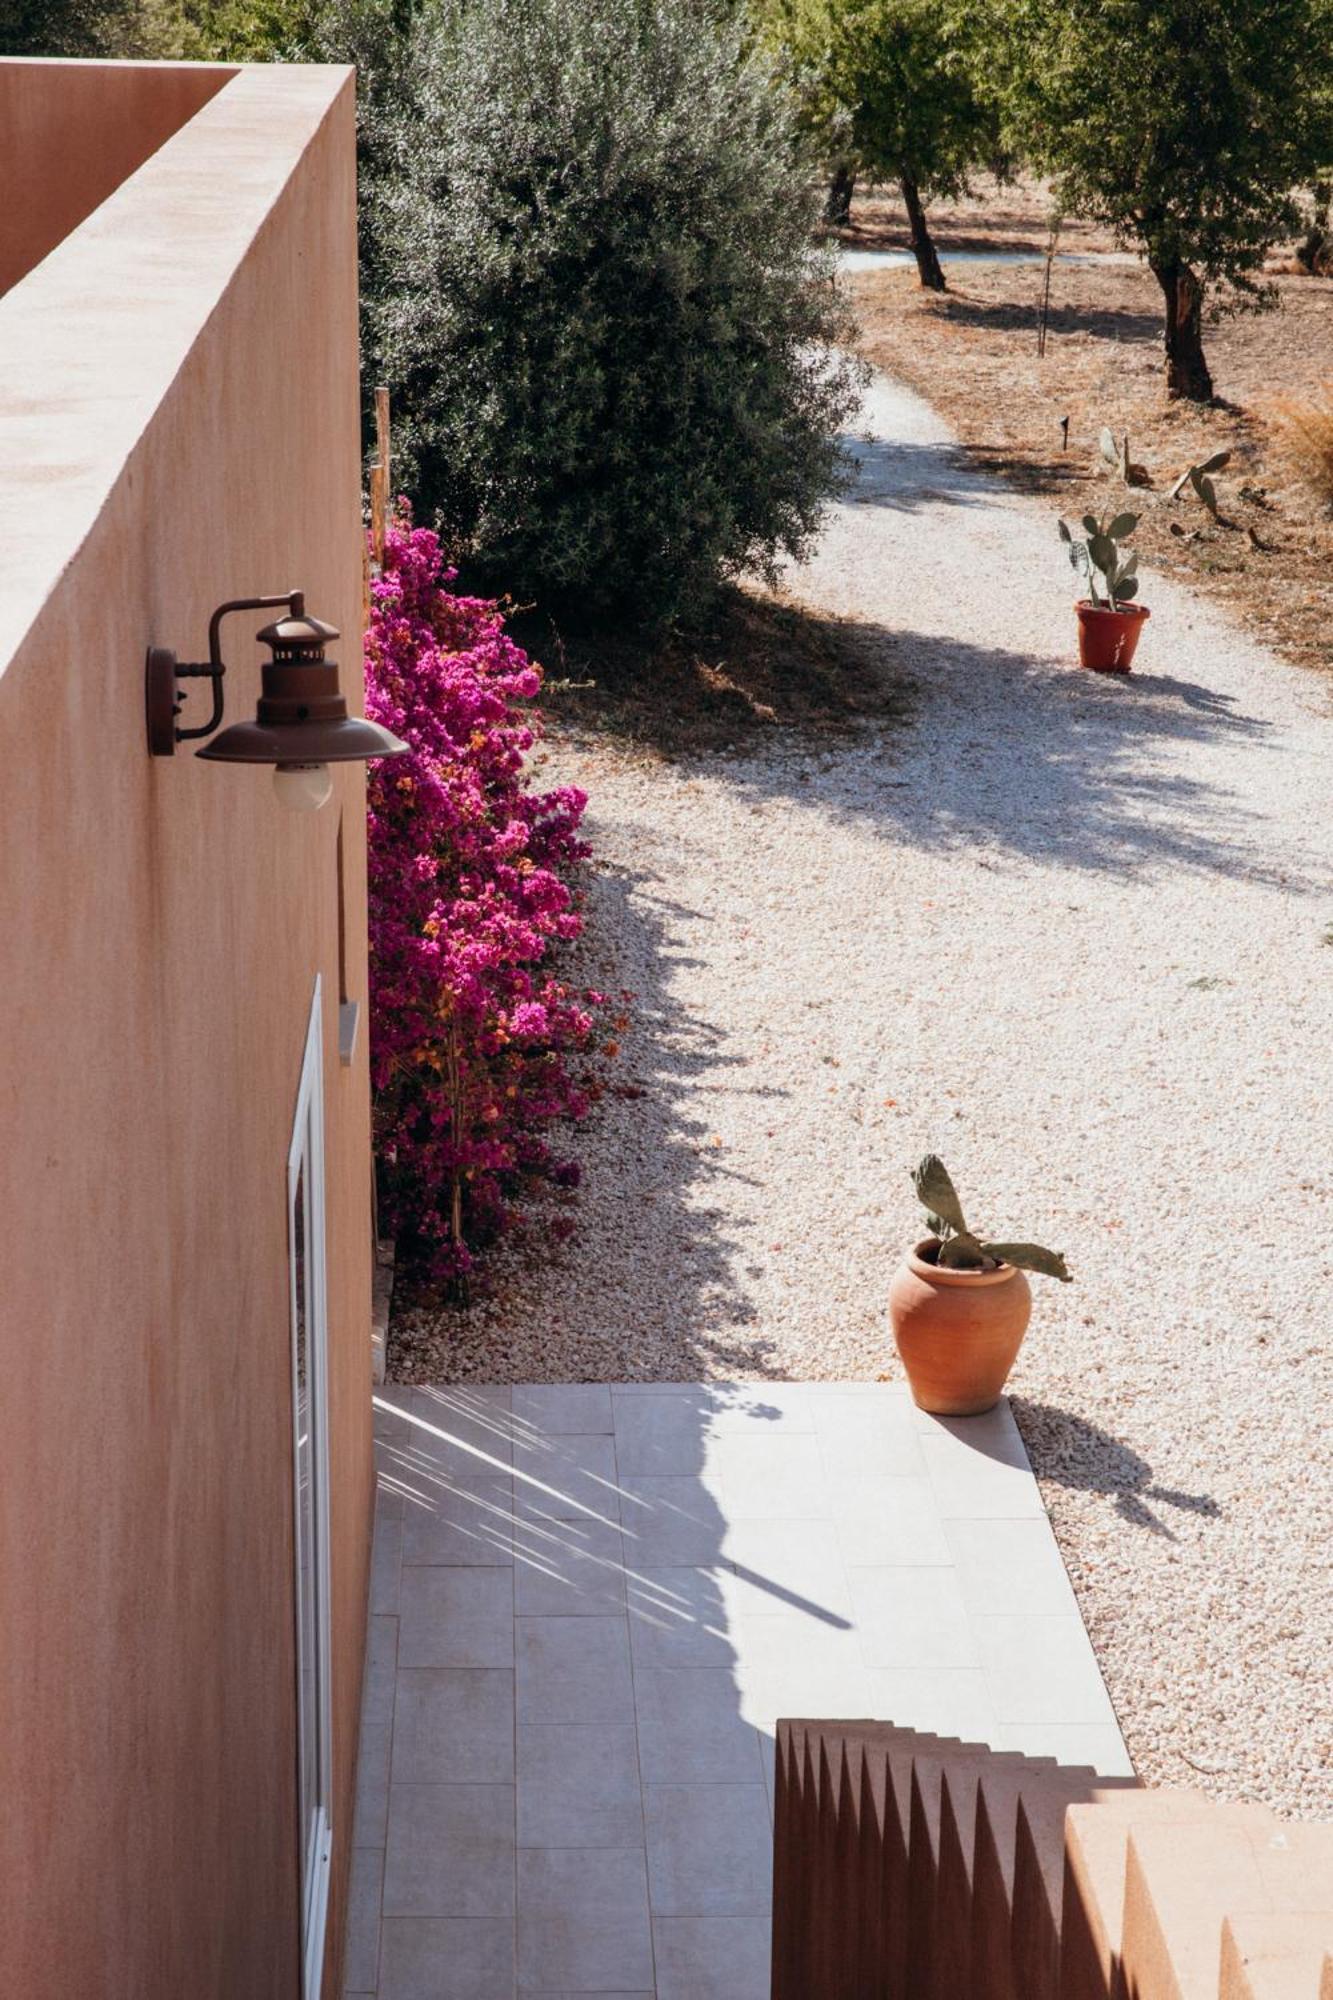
(592, 1604)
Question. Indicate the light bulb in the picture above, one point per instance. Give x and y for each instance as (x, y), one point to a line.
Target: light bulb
(302, 787)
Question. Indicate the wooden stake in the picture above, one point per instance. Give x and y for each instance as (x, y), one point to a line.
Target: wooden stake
(382, 433)
(378, 492)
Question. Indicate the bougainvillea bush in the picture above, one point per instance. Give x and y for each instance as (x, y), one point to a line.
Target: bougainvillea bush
(474, 1037)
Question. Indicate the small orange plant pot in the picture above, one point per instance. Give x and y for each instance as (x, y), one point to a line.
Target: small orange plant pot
(1107, 639)
(957, 1332)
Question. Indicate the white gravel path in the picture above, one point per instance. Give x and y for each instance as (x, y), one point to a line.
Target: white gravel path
(1069, 933)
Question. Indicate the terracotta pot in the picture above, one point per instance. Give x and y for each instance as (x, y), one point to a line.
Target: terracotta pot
(1107, 639)
(958, 1332)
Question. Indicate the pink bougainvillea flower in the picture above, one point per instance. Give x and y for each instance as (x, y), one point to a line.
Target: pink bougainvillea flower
(474, 1036)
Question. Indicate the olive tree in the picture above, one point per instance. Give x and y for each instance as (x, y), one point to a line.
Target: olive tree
(592, 287)
(893, 88)
(1186, 126)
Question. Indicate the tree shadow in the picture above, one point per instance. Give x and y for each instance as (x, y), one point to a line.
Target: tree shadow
(908, 476)
(1027, 759)
(651, 1284)
(1122, 323)
(1072, 1452)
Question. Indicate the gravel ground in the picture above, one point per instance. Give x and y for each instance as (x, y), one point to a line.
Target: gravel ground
(1071, 934)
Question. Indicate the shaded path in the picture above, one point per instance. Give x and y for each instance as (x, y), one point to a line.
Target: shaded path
(1069, 933)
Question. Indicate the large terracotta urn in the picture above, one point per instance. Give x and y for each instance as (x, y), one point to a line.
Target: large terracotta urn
(958, 1332)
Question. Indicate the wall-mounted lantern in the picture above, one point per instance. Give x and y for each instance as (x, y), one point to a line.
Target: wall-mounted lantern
(301, 725)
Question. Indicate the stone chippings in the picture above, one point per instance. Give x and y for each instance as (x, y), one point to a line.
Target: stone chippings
(1069, 934)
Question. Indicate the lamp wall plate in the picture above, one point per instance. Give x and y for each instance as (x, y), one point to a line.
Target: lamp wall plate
(160, 704)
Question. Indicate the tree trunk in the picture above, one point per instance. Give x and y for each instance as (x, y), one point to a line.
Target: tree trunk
(1315, 252)
(923, 246)
(1186, 370)
(838, 206)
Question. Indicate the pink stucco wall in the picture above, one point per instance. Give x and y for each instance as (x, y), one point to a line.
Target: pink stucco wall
(178, 424)
(122, 113)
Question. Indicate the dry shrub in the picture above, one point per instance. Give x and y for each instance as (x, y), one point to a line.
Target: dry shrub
(1304, 427)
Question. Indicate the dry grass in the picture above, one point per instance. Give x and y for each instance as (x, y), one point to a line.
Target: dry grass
(1305, 440)
(973, 353)
(759, 666)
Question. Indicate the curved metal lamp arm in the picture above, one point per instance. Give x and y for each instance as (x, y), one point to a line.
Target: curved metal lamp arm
(164, 673)
(215, 669)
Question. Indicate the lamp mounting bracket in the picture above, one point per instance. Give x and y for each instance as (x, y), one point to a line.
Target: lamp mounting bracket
(163, 673)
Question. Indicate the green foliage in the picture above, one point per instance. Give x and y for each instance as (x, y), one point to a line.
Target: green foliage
(253, 30)
(960, 1249)
(589, 281)
(1183, 125)
(143, 30)
(1099, 554)
(133, 30)
(898, 86)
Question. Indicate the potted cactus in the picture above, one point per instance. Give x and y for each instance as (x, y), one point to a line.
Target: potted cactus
(959, 1304)
(1108, 623)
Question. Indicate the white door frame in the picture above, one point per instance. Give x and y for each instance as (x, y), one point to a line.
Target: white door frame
(307, 1150)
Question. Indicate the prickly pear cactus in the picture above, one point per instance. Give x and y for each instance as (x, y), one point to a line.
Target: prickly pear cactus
(1097, 554)
(960, 1249)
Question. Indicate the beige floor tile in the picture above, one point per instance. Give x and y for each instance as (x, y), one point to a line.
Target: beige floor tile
(370, 1819)
(789, 1565)
(888, 1522)
(1042, 1670)
(691, 1729)
(460, 1526)
(583, 1920)
(578, 1785)
(557, 1407)
(569, 1569)
(573, 1670)
(454, 1725)
(670, 1518)
(450, 1851)
(386, 1565)
(772, 1478)
(989, 1480)
(910, 1617)
(567, 1479)
(458, 1958)
(1009, 1566)
(462, 1433)
(712, 1958)
(710, 1850)
(361, 1967)
(861, 1438)
(680, 1617)
(456, 1618)
(1099, 1746)
(670, 1433)
(950, 1701)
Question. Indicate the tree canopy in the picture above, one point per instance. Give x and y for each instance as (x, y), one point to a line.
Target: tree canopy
(894, 88)
(1186, 126)
(591, 285)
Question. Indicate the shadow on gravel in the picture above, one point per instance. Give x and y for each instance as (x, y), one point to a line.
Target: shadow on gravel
(664, 1245)
(1074, 1453)
(650, 1286)
(894, 473)
(1014, 756)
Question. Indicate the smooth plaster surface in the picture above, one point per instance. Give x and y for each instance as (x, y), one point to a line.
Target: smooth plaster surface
(71, 132)
(179, 424)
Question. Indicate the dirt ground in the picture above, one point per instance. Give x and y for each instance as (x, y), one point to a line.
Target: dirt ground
(759, 665)
(973, 353)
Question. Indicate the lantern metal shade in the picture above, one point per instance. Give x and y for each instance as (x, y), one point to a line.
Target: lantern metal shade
(301, 717)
